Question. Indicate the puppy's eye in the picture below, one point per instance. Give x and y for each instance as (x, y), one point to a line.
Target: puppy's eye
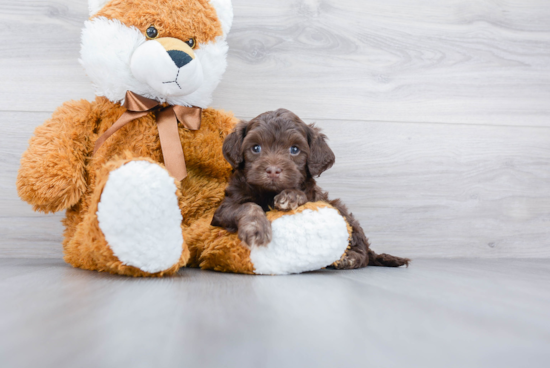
(152, 33)
(294, 150)
(192, 43)
(257, 149)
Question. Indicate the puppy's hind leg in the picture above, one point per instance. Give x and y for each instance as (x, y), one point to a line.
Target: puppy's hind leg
(386, 260)
(359, 253)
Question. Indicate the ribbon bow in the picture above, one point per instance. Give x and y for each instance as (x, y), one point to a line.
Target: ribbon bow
(167, 122)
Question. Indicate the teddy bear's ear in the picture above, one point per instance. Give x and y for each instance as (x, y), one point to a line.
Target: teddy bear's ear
(96, 5)
(224, 9)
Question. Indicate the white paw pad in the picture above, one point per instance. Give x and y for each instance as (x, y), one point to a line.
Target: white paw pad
(140, 217)
(306, 241)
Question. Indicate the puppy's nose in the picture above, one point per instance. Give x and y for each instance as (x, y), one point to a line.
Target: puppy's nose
(273, 171)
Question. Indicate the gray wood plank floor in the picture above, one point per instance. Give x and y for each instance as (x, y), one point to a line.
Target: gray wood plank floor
(438, 112)
(437, 313)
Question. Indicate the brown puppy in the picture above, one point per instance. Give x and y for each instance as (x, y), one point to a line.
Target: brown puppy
(275, 158)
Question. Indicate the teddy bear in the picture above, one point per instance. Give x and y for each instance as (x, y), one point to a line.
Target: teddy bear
(140, 170)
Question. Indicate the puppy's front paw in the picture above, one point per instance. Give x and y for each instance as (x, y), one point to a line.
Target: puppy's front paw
(255, 231)
(290, 199)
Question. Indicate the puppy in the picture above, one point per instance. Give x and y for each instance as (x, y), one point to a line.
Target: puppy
(275, 158)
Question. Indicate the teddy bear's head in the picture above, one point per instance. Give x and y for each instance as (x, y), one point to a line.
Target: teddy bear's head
(168, 50)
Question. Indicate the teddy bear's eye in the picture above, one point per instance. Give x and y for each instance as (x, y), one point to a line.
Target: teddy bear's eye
(257, 148)
(152, 33)
(192, 43)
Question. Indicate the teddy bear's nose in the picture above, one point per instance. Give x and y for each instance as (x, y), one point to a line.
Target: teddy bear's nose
(180, 58)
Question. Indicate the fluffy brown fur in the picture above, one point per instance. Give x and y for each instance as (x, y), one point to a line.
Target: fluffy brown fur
(200, 21)
(58, 172)
(275, 158)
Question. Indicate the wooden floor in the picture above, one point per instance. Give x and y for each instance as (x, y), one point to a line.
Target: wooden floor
(438, 111)
(437, 313)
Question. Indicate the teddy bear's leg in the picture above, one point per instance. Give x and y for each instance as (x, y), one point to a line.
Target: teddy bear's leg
(213, 248)
(309, 238)
(133, 223)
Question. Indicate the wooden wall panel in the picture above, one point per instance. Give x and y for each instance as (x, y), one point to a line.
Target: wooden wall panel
(458, 61)
(421, 190)
(23, 233)
(439, 112)
(437, 190)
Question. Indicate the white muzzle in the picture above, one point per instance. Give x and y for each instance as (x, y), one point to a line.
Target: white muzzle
(167, 65)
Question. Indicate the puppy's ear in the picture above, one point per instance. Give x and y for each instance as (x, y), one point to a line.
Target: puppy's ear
(232, 146)
(321, 157)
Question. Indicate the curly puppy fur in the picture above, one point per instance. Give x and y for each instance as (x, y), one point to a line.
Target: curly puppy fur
(275, 158)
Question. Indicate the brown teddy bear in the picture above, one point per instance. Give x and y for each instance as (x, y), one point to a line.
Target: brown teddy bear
(140, 170)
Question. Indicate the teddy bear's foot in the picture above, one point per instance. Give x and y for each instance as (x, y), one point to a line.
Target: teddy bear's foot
(140, 218)
(309, 238)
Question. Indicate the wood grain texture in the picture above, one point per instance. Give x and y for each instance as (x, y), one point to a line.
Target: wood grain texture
(437, 190)
(458, 61)
(436, 313)
(419, 190)
(24, 233)
(438, 112)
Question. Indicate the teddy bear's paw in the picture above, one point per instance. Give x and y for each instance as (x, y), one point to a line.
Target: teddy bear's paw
(139, 215)
(304, 240)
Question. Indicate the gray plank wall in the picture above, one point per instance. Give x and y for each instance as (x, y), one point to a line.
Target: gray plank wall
(438, 111)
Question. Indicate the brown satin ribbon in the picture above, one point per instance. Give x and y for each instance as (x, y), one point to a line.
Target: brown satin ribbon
(167, 123)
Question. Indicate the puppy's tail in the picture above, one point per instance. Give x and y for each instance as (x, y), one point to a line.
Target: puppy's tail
(386, 260)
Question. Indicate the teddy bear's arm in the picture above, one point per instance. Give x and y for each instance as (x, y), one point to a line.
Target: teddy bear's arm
(203, 148)
(52, 173)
